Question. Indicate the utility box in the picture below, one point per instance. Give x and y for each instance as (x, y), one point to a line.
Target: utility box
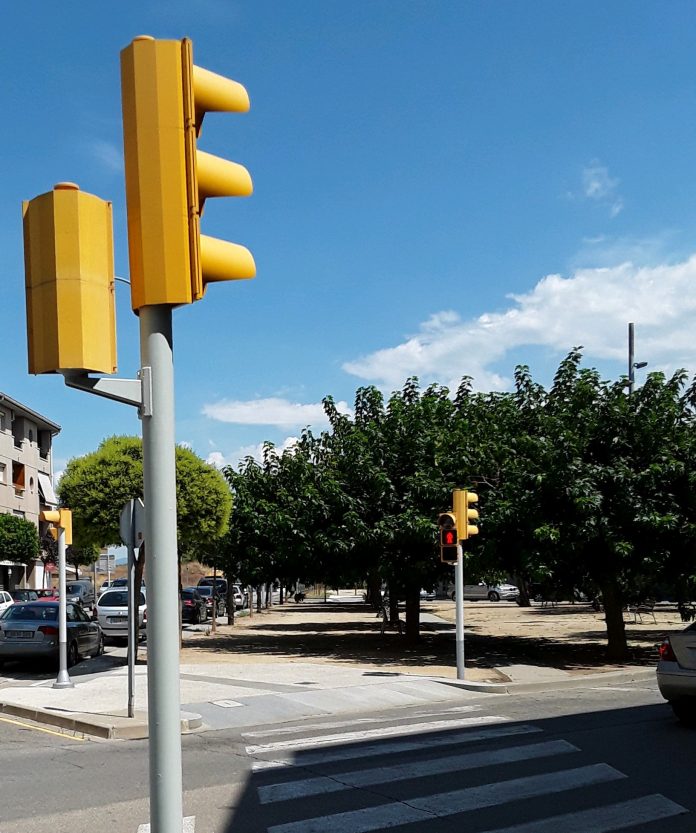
(69, 279)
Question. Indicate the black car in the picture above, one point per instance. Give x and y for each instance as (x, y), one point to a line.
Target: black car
(24, 595)
(193, 606)
(208, 595)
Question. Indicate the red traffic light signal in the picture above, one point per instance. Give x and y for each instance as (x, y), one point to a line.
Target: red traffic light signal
(449, 538)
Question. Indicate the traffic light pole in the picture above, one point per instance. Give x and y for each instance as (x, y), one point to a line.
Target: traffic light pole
(459, 610)
(63, 679)
(164, 707)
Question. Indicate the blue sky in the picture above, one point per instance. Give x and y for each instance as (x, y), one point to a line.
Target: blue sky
(441, 189)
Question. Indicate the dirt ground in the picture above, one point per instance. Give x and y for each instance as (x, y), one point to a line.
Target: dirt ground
(568, 637)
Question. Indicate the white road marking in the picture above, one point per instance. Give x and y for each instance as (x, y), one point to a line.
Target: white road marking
(400, 772)
(306, 727)
(225, 704)
(603, 819)
(188, 826)
(406, 745)
(451, 803)
(367, 734)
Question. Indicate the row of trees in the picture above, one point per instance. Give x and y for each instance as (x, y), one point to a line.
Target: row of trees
(581, 486)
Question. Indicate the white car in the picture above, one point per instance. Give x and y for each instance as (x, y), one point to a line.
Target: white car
(111, 611)
(5, 600)
(676, 674)
(492, 592)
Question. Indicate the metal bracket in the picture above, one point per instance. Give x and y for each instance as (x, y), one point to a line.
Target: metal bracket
(137, 392)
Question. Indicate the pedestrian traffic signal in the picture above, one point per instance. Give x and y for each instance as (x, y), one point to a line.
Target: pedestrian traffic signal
(69, 282)
(164, 99)
(449, 539)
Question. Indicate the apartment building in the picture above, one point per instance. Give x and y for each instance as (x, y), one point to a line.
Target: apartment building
(26, 479)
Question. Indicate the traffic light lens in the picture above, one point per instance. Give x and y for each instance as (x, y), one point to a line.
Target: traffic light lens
(450, 539)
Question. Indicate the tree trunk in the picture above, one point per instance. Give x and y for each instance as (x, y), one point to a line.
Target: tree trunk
(230, 603)
(524, 600)
(617, 647)
(258, 598)
(374, 589)
(413, 613)
(393, 602)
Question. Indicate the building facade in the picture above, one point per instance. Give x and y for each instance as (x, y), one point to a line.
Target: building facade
(26, 479)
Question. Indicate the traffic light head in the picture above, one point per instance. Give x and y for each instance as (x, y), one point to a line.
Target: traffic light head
(168, 179)
(69, 280)
(60, 519)
(449, 539)
(463, 500)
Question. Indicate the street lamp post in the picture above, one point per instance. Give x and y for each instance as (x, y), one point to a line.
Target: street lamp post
(632, 365)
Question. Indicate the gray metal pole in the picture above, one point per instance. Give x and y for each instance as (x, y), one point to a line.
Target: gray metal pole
(164, 707)
(459, 610)
(132, 624)
(631, 367)
(63, 679)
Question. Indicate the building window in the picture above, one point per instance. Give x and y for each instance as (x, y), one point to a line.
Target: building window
(18, 477)
(3, 424)
(31, 436)
(2, 473)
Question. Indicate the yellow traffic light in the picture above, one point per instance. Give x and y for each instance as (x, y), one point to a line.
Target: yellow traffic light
(449, 539)
(69, 280)
(59, 518)
(168, 179)
(462, 500)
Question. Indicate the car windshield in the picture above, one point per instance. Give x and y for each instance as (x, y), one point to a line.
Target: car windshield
(205, 591)
(117, 599)
(43, 612)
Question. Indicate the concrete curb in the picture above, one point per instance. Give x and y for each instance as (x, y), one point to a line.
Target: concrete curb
(106, 726)
(624, 676)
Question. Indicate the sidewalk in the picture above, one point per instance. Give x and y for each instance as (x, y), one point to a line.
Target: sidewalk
(311, 659)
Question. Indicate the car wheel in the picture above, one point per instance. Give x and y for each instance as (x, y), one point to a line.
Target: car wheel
(221, 610)
(493, 596)
(196, 618)
(453, 596)
(685, 711)
(73, 654)
(100, 646)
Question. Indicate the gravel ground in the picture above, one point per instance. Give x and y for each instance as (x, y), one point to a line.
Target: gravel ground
(568, 637)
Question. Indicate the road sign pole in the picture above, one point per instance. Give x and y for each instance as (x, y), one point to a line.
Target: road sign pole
(63, 679)
(459, 610)
(166, 811)
(133, 620)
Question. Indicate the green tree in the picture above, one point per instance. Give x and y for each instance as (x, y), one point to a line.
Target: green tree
(19, 539)
(98, 485)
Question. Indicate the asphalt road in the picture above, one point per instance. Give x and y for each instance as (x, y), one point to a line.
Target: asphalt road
(578, 761)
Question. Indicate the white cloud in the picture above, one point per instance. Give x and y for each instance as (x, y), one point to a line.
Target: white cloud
(271, 411)
(599, 186)
(592, 308)
(218, 459)
(108, 154)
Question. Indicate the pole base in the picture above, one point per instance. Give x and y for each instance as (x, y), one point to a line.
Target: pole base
(63, 681)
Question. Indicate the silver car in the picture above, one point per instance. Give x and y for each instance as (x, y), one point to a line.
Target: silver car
(29, 630)
(111, 611)
(676, 674)
(492, 592)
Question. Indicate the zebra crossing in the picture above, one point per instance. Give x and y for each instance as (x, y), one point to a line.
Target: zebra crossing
(359, 776)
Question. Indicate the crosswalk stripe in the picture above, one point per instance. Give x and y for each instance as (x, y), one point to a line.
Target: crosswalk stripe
(306, 727)
(400, 772)
(603, 819)
(451, 803)
(406, 745)
(367, 734)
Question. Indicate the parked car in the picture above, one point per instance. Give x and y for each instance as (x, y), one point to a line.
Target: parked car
(123, 582)
(208, 594)
(492, 592)
(427, 595)
(30, 630)
(19, 595)
(193, 606)
(48, 594)
(80, 591)
(105, 586)
(111, 611)
(5, 600)
(676, 674)
(214, 581)
(240, 596)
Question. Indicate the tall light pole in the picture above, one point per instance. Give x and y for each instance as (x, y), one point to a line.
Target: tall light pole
(632, 365)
